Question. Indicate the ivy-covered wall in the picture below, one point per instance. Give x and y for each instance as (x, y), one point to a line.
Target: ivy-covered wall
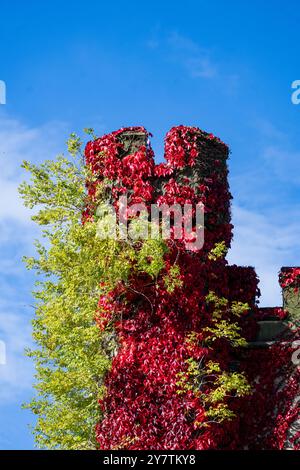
(156, 396)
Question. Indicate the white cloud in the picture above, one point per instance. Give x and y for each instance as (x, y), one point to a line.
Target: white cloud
(285, 164)
(183, 43)
(18, 142)
(266, 213)
(269, 131)
(266, 241)
(277, 155)
(196, 60)
(201, 67)
(17, 374)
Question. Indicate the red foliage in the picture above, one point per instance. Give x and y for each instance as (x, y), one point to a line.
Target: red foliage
(142, 409)
(289, 277)
(273, 408)
(271, 313)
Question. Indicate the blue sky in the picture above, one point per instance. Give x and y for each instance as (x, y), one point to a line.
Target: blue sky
(224, 66)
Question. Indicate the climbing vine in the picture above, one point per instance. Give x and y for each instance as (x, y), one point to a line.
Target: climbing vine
(142, 343)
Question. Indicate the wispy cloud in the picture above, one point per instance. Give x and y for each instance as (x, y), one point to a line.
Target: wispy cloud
(267, 130)
(201, 67)
(17, 374)
(267, 241)
(285, 164)
(18, 142)
(266, 213)
(271, 176)
(195, 59)
(282, 160)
